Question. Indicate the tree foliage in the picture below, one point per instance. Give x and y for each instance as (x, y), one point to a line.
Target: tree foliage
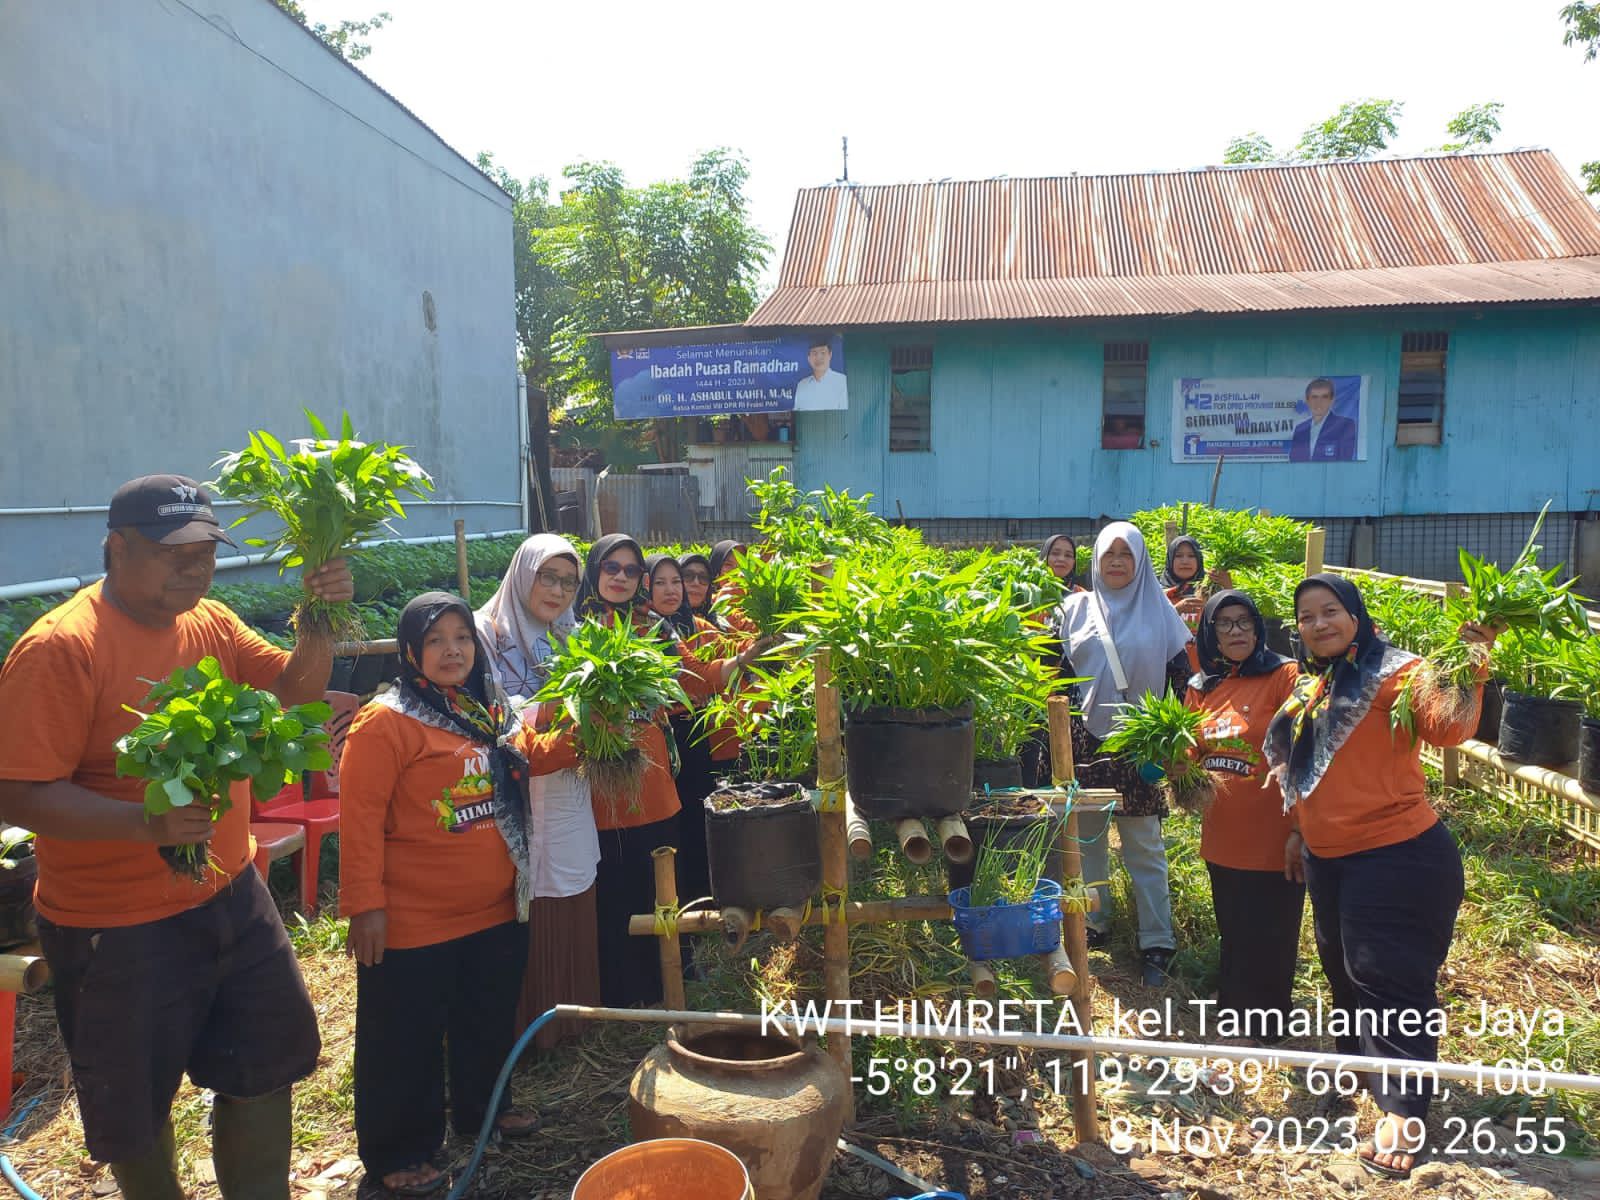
(1251, 148)
(1359, 128)
(1583, 29)
(1475, 125)
(344, 39)
(541, 295)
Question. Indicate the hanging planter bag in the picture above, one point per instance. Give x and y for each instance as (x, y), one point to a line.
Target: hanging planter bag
(1493, 707)
(996, 774)
(909, 762)
(766, 852)
(1009, 930)
(1539, 730)
(1589, 755)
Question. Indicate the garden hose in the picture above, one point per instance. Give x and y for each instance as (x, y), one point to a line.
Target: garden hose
(464, 1180)
(8, 1172)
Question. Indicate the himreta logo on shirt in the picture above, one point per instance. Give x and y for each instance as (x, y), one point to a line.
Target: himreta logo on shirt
(470, 802)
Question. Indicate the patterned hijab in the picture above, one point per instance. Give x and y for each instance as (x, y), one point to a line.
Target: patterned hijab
(1330, 698)
(1216, 666)
(1168, 579)
(478, 710)
(519, 644)
(590, 603)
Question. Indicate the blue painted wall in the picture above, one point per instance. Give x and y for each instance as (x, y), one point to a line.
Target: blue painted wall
(1016, 417)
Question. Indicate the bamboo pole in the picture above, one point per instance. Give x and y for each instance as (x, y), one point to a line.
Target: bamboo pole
(856, 912)
(1316, 544)
(784, 923)
(955, 839)
(23, 973)
(667, 901)
(835, 855)
(462, 580)
(914, 841)
(1073, 931)
(1450, 756)
(857, 832)
(1058, 970)
(983, 985)
(735, 924)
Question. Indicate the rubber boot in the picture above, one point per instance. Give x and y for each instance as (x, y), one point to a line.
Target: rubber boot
(250, 1146)
(155, 1175)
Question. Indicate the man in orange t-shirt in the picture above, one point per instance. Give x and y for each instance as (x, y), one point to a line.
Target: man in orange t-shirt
(156, 974)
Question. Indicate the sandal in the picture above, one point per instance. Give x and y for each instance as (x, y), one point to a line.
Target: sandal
(521, 1125)
(414, 1186)
(1367, 1152)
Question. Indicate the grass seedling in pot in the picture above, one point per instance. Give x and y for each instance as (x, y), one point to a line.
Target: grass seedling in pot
(329, 493)
(203, 733)
(1009, 874)
(1162, 735)
(607, 679)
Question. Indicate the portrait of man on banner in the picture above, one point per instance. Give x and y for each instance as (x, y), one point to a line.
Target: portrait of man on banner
(1325, 435)
(822, 387)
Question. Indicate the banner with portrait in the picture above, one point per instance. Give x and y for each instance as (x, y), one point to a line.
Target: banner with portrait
(793, 373)
(1291, 419)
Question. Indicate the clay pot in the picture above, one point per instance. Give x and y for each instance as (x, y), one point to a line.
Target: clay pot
(775, 1102)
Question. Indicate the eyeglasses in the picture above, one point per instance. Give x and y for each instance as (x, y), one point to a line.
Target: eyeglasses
(1240, 625)
(626, 570)
(554, 579)
(696, 577)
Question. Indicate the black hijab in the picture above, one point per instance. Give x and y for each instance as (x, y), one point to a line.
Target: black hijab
(589, 601)
(680, 621)
(721, 554)
(1216, 666)
(1330, 698)
(703, 609)
(1169, 580)
(1071, 581)
(419, 616)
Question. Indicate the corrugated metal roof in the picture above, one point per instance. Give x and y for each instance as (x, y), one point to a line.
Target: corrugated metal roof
(1450, 229)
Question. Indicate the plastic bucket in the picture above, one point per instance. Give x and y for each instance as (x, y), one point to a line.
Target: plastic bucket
(1009, 930)
(666, 1169)
(909, 762)
(1539, 730)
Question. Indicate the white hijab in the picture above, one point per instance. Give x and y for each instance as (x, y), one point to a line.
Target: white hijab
(518, 643)
(1138, 618)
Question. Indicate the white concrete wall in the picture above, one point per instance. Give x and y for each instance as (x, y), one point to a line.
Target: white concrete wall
(208, 221)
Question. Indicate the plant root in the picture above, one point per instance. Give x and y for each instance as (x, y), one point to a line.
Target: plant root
(1195, 792)
(1437, 690)
(618, 782)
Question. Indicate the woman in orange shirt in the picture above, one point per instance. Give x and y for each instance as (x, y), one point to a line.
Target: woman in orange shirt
(1239, 687)
(1383, 872)
(433, 875)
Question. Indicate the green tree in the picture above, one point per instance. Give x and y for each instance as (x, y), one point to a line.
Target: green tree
(542, 297)
(343, 39)
(1359, 128)
(1583, 29)
(1251, 148)
(1475, 125)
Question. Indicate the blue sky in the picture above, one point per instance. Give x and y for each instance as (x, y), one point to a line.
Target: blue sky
(933, 91)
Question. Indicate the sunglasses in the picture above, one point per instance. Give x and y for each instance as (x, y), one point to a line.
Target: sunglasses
(696, 577)
(1237, 626)
(626, 570)
(555, 579)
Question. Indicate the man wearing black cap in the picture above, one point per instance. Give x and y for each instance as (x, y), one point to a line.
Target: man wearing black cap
(157, 975)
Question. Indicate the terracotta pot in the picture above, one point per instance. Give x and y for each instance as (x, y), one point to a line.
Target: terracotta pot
(775, 1102)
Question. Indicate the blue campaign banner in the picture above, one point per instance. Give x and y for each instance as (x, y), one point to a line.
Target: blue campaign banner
(1293, 419)
(787, 374)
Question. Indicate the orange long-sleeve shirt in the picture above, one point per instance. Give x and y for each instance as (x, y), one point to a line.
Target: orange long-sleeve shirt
(417, 836)
(1246, 827)
(1374, 793)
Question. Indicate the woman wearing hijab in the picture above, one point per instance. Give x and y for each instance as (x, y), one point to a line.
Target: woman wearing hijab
(630, 967)
(1124, 636)
(1383, 872)
(1182, 576)
(725, 592)
(433, 872)
(1238, 688)
(696, 569)
(1060, 554)
(529, 611)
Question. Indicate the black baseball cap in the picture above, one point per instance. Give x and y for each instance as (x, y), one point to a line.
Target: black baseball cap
(171, 509)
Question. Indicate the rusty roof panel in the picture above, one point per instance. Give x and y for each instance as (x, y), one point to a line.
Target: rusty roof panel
(1054, 246)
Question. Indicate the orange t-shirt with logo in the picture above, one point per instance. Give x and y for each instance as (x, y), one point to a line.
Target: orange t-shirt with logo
(62, 691)
(1246, 827)
(417, 836)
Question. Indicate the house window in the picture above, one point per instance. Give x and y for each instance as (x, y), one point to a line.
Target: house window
(1422, 357)
(1122, 393)
(911, 399)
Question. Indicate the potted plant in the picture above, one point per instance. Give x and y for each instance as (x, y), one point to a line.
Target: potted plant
(762, 835)
(1162, 735)
(1011, 907)
(1009, 707)
(1586, 667)
(1544, 701)
(19, 871)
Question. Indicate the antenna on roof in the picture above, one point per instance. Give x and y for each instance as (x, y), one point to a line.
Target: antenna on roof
(844, 143)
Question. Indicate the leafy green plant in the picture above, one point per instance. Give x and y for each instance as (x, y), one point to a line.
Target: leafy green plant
(814, 526)
(329, 494)
(1009, 874)
(608, 679)
(769, 590)
(1247, 537)
(206, 732)
(1271, 586)
(1164, 732)
(774, 717)
(16, 844)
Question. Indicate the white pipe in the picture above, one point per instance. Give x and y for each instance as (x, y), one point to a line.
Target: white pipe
(1478, 1074)
(74, 509)
(44, 587)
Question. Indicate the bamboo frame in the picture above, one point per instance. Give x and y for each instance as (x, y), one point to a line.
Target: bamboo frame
(914, 841)
(463, 580)
(856, 912)
(1316, 548)
(955, 839)
(857, 832)
(23, 973)
(1074, 930)
(835, 854)
(667, 901)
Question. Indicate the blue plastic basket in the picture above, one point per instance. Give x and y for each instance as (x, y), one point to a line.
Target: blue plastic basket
(1009, 930)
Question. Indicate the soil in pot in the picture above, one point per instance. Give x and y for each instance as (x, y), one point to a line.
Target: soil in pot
(1006, 821)
(1539, 730)
(909, 762)
(996, 774)
(763, 844)
(1493, 706)
(1589, 755)
(17, 922)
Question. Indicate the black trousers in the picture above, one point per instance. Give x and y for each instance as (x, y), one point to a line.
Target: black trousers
(696, 778)
(625, 884)
(1258, 921)
(455, 1000)
(1384, 919)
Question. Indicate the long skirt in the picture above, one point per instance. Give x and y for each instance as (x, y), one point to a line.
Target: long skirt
(563, 965)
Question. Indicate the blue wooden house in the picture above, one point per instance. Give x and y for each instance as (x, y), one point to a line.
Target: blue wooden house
(1032, 354)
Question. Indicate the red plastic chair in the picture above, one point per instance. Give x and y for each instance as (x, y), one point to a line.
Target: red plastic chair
(313, 805)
